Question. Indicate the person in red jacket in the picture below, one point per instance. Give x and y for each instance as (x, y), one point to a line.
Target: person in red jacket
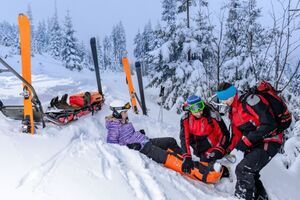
(254, 130)
(203, 129)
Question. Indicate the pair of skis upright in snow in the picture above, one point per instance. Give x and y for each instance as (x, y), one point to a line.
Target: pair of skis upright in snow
(133, 96)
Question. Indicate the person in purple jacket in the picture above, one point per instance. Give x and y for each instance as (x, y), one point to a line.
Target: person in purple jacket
(122, 132)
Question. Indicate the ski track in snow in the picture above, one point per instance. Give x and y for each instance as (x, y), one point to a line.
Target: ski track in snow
(37, 176)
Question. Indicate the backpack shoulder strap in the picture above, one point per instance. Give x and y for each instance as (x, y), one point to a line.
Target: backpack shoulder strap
(207, 113)
(214, 113)
(185, 116)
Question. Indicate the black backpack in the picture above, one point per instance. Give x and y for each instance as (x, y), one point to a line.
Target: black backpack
(281, 113)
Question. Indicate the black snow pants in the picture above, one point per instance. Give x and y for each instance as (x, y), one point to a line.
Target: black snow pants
(156, 148)
(248, 185)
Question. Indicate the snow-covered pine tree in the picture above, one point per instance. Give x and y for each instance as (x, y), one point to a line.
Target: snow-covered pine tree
(100, 53)
(169, 17)
(118, 39)
(9, 35)
(202, 46)
(85, 56)
(143, 45)
(234, 39)
(147, 38)
(55, 36)
(108, 57)
(147, 46)
(173, 70)
(153, 58)
(138, 43)
(245, 40)
(70, 54)
(41, 38)
(32, 30)
(256, 40)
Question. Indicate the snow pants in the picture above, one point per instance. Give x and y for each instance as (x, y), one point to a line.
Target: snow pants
(157, 148)
(167, 152)
(248, 185)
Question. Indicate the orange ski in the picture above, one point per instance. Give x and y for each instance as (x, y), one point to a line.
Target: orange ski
(24, 25)
(130, 84)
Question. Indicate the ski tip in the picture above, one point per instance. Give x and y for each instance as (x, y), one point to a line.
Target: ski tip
(93, 40)
(124, 54)
(1, 105)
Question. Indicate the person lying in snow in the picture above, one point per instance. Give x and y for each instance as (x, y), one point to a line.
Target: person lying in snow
(162, 150)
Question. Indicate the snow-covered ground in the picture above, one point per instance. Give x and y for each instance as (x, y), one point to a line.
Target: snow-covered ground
(75, 162)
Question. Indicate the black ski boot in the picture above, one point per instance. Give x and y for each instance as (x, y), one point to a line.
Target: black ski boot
(260, 193)
(225, 173)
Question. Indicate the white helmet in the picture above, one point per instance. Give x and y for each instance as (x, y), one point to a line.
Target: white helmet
(118, 106)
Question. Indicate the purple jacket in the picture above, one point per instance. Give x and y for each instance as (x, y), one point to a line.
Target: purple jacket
(123, 134)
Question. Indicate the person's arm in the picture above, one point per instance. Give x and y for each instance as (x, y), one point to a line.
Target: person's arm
(256, 106)
(217, 151)
(128, 135)
(185, 136)
(236, 137)
(112, 132)
(225, 141)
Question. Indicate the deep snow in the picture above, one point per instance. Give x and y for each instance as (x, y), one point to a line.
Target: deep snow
(75, 162)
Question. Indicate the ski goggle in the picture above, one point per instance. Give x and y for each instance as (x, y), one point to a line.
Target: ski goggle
(126, 107)
(197, 107)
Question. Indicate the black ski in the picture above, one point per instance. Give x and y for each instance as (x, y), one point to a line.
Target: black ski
(95, 58)
(141, 87)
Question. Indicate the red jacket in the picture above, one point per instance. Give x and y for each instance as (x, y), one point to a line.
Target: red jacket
(203, 134)
(254, 122)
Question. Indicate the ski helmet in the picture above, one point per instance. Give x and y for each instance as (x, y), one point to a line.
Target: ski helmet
(195, 104)
(118, 106)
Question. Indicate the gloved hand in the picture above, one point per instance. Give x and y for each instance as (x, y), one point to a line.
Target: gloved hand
(142, 131)
(187, 165)
(241, 146)
(135, 146)
(215, 154)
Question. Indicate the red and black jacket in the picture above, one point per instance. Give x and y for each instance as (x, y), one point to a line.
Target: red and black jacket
(252, 121)
(203, 134)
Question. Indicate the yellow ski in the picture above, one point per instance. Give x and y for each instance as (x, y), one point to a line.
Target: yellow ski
(24, 25)
(130, 84)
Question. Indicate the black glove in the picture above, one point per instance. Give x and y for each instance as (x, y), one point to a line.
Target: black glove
(215, 155)
(142, 131)
(135, 146)
(241, 146)
(187, 165)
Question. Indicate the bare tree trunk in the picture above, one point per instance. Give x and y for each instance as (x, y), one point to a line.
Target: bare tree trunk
(295, 72)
